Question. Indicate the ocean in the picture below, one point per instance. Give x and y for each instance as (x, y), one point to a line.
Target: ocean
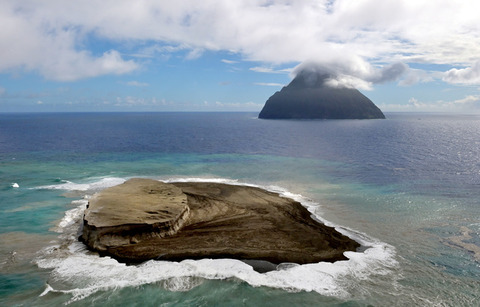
(407, 188)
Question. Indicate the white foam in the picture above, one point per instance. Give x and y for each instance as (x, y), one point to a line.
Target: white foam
(15, 185)
(181, 284)
(80, 202)
(92, 186)
(72, 216)
(87, 273)
(48, 288)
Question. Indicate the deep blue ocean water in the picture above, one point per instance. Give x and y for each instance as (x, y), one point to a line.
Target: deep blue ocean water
(407, 188)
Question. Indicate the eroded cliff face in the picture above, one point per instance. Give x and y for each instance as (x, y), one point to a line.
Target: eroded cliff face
(309, 96)
(193, 220)
(137, 210)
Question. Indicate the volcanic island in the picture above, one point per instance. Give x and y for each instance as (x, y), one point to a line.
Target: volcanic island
(311, 96)
(144, 219)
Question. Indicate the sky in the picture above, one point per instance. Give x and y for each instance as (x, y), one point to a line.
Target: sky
(189, 55)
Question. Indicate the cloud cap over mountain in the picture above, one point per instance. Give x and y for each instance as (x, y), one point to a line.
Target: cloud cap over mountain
(311, 95)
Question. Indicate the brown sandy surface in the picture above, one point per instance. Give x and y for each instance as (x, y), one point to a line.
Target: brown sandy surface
(220, 221)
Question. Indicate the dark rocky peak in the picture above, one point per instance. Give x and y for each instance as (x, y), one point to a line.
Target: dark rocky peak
(308, 96)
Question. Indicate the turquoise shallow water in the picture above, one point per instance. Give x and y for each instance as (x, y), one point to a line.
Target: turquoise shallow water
(406, 187)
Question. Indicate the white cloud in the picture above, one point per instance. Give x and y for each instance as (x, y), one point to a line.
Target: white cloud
(228, 61)
(349, 81)
(471, 102)
(71, 66)
(270, 70)
(194, 54)
(355, 73)
(469, 75)
(48, 36)
(413, 76)
(159, 51)
(33, 42)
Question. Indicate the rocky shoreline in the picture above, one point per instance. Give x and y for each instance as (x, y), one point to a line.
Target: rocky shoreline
(144, 219)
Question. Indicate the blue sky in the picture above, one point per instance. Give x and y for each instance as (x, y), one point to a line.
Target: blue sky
(70, 56)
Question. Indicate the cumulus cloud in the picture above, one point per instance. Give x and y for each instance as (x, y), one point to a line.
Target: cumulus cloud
(469, 75)
(469, 102)
(49, 36)
(71, 66)
(32, 42)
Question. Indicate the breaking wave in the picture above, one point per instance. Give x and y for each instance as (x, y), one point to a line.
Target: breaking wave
(80, 273)
(101, 184)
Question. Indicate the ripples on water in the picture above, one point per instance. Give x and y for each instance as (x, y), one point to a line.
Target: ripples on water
(412, 181)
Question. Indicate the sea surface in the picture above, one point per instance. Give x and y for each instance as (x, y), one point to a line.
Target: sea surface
(407, 188)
